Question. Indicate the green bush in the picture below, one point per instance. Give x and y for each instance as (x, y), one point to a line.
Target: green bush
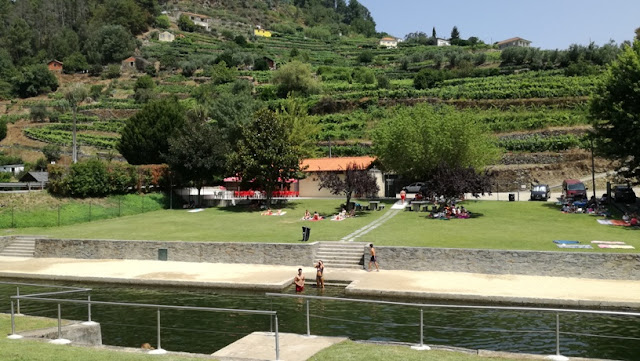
(112, 72)
(365, 57)
(163, 22)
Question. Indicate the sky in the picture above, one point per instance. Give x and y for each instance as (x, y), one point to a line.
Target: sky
(549, 24)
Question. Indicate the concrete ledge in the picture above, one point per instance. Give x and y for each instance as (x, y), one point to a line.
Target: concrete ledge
(78, 333)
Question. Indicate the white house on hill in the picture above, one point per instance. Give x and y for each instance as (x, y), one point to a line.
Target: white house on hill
(389, 42)
(513, 42)
(443, 42)
(166, 37)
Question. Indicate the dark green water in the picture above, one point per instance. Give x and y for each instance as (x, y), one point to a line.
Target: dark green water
(204, 332)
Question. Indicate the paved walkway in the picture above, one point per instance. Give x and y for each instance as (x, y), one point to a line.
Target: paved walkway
(388, 283)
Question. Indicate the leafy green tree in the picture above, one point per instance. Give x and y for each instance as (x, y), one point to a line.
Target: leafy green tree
(188, 68)
(433, 33)
(144, 82)
(125, 13)
(88, 179)
(34, 80)
(145, 135)
(383, 81)
(265, 154)
(295, 77)
(428, 78)
(111, 43)
(64, 44)
(198, 152)
(413, 141)
(240, 40)
(185, 24)
(221, 74)
(260, 64)
(3, 129)
(163, 22)
(303, 129)
(615, 110)
(52, 152)
(74, 63)
(38, 113)
(74, 95)
(19, 40)
(365, 56)
(95, 92)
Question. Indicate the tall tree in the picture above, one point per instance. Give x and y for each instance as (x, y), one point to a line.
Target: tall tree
(615, 110)
(198, 152)
(455, 34)
(75, 94)
(295, 77)
(355, 181)
(303, 129)
(265, 154)
(145, 136)
(433, 33)
(454, 182)
(413, 141)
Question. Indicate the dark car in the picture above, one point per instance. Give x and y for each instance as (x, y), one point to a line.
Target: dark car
(540, 192)
(574, 189)
(416, 187)
(624, 194)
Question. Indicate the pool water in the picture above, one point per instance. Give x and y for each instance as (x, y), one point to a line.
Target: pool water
(206, 332)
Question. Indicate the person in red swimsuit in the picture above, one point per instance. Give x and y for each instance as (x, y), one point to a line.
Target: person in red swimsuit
(299, 281)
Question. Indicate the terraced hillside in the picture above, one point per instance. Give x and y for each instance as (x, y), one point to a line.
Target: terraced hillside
(538, 111)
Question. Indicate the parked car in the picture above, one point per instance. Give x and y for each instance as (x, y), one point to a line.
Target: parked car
(574, 189)
(416, 187)
(624, 194)
(540, 192)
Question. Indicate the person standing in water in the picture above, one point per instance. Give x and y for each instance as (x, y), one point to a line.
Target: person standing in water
(299, 281)
(319, 274)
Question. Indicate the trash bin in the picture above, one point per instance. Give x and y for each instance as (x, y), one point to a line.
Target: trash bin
(163, 254)
(306, 232)
(512, 197)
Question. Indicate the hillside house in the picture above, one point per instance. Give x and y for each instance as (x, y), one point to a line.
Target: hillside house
(128, 65)
(12, 168)
(389, 42)
(270, 62)
(443, 42)
(37, 179)
(308, 187)
(166, 37)
(261, 32)
(513, 42)
(200, 20)
(55, 65)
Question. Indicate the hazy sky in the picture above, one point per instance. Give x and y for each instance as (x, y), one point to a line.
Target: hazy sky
(549, 24)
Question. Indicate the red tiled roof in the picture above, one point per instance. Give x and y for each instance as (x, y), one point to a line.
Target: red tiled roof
(512, 40)
(129, 59)
(388, 39)
(334, 164)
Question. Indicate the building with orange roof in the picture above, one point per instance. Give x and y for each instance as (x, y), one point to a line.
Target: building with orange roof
(308, 187)
(513, 42)
(389, 42)
(55, 65)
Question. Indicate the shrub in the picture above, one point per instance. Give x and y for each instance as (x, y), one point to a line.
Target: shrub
(144, 82)
(383, 81)
(34, 80)
(38, 113)
(240, 40)
(52, 152)
(185, 24)
(3, 129)
(95, 92)
(95, 70)
(295, 77)
(163, 22)
(260, 64)
(75, 63)
(112, 72)
(365, 57)
(188, 68)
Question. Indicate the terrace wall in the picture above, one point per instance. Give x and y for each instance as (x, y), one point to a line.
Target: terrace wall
(291, 254)
(623, 266)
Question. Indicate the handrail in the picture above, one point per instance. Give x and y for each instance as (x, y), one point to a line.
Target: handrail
(40, 285)
(422, 346)
(34, 297)
(433, 305)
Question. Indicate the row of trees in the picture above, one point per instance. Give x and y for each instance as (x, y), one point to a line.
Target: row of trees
(419, 37)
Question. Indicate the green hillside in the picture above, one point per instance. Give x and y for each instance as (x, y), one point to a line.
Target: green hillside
(533, 100)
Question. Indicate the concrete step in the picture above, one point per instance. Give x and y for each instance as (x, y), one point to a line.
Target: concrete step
(20, 247)
(16, 254)
(339, 253)
(343, 265)
(338, 259)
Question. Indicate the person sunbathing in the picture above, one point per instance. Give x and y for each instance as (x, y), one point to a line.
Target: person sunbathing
(307, 215)
(316, 217)
(268, 212)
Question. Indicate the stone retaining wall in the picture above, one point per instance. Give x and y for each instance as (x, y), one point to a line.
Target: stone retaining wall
(535, 263)
(289, 254)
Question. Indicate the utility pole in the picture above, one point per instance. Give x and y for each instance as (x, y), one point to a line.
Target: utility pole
(593, 170)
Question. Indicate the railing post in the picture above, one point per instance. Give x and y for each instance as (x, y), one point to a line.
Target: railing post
(13, 335)
(422, 346)
(308, 323)
(159, 344)
(59, 322)
(557, 334)
(271, 318)
(89, 216)
(277, 339)
(89, 308)
(13, 223)
(58, 215)
(18, 299)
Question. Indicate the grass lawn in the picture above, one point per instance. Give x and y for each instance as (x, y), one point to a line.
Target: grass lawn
(25, 350)
(497, 225)
(233, 224)
(502, 225)
(352, 351)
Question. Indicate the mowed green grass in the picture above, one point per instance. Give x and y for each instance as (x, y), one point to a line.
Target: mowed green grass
(502, 225)
(26, 350)
(496, 225)
(352, 351)
(231, 224)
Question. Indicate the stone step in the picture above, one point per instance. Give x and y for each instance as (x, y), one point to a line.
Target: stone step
(338, 252)
(341, 245)
(343, 265)
(16, 254)
(355, 259)
(18, 249)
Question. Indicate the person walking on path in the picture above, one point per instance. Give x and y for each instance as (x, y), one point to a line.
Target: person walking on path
(299, 281)
(319, 274)
(403, 195)
(373, 259)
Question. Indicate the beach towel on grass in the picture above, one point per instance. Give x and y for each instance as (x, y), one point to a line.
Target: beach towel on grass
(574, 246)
(279, 214)
(608, 242)
(196, 210)
(620, 246)
(613, 222)
(565, 242)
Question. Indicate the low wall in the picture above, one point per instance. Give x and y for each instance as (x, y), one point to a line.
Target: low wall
(77, 333)
(290, 254)
(534, 263)
(5, 241)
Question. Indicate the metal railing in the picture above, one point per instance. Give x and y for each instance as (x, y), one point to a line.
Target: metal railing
(273, 315)
(422, 306)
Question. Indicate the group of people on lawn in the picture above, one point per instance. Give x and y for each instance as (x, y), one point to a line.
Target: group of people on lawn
(448, 212)
(590, 207)
(632, 219)
(338, 217)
